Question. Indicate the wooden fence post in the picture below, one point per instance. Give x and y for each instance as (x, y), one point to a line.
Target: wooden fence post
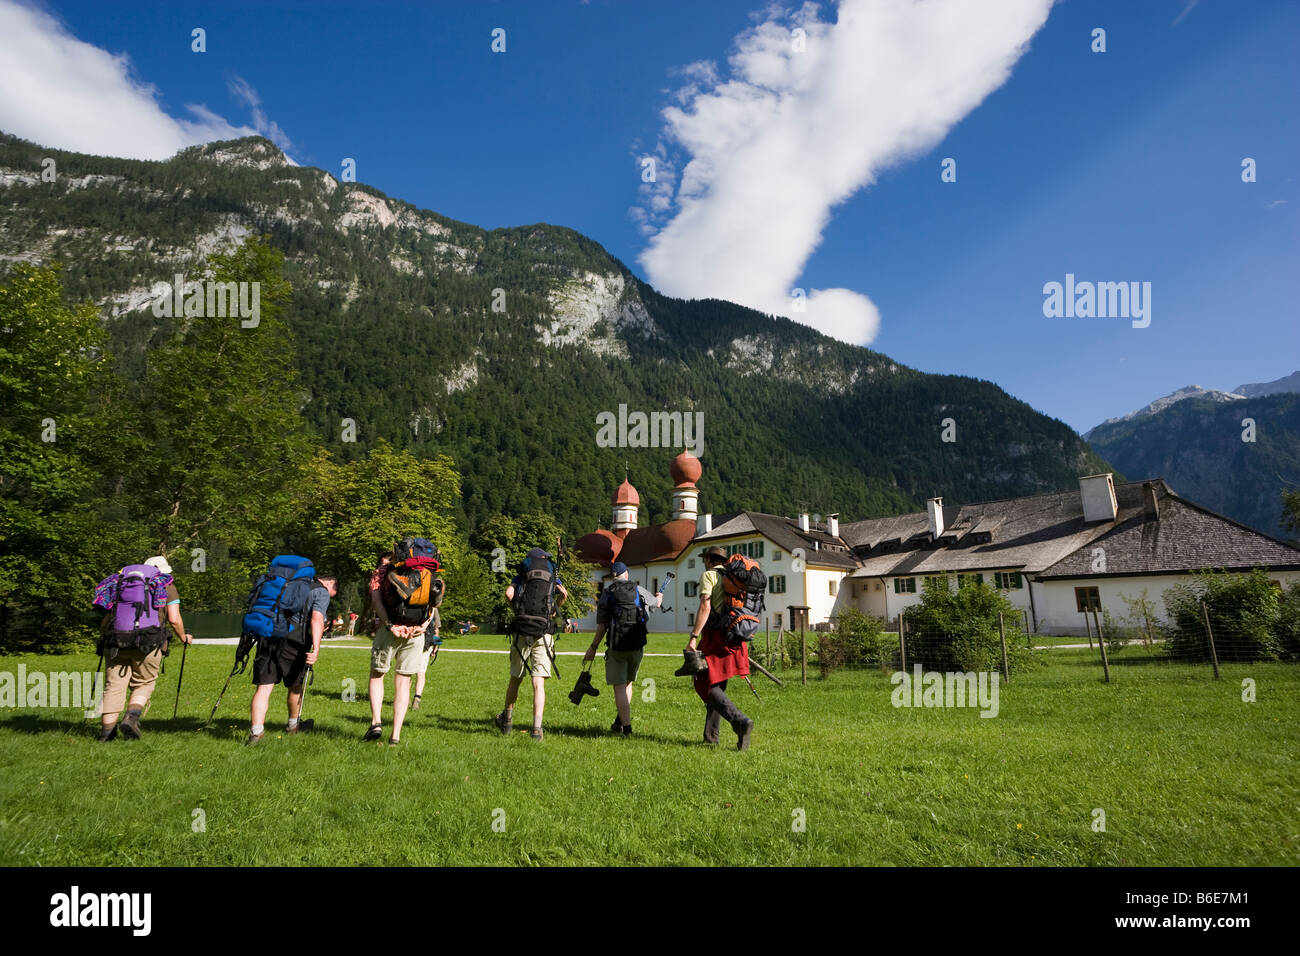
(803, 656)
(1101, 642)
(1002, 633)
(768, 659)
(902, 642)
(1088, 625)
(1209, 632)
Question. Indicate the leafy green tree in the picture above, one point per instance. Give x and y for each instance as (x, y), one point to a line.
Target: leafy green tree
(56, 544)
(504, 540)
(1291, 510)
(221, 413)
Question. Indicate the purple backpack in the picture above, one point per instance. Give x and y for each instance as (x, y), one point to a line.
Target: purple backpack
(135, 596)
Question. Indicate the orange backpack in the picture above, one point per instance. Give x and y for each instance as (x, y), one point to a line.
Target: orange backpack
(743, 583)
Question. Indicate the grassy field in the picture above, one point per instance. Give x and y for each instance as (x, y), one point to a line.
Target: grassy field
(1186, 772)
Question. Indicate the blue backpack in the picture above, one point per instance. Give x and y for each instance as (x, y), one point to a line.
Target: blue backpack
(278, 601)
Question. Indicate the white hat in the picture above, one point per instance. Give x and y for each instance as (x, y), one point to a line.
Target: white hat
(160, 563)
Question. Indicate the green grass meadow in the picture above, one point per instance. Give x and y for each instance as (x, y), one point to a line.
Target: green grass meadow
(1187, 773)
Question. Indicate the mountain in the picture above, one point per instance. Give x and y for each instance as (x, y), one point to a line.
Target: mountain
(1289, 383)
(1197, 446)
(1160, 404)
(501, 347)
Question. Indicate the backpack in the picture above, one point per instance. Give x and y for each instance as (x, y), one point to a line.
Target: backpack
(412, 589)
(743, 584)
(533, 601)
(278, 602)
(627, 617)
(417, 553)
(135, 596)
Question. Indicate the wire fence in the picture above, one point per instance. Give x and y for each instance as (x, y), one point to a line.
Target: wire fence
(1193, 634)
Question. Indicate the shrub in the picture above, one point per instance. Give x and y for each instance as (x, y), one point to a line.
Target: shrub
(854, 638)
(1287, 629)
(1243, 611)
(958, 631)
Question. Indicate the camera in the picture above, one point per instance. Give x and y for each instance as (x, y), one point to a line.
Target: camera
(582, 688)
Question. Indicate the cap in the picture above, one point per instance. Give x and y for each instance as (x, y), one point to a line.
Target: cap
(160, 563)
(617, 568)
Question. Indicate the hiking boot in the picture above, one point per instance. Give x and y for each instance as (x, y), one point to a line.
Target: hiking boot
(107, 733)
(253, 738)
(130, 725)
(301, 727)
(374, 733)
(744, 727)
(537, 733)
(712, 724)
(504, 723)
(693, 664)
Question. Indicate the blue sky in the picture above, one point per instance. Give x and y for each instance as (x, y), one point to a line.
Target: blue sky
(1115, 166)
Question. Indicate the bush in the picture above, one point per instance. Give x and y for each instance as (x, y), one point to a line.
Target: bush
(1243, 611)
(854, 638)
(958, 631)
(1288, 624)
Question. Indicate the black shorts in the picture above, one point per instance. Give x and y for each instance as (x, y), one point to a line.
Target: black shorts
(278, 661)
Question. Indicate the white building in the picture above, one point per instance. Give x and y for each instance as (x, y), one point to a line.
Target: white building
(1052, 555)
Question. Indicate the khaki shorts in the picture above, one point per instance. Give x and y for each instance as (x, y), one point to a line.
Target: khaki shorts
(621, 666)
(539, 658)
(134, 670)
(387, 651)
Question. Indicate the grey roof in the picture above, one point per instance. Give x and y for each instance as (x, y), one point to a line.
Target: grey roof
(1029, 534)
(1187, 537)
(819, 547)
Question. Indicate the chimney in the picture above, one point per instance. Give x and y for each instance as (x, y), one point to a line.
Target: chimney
(1098, 495)
(1150, 505)
(833, 525)
(803, 521)
(703, 524)
(935, 508)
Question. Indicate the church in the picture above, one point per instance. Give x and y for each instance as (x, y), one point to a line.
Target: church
(1053, 555)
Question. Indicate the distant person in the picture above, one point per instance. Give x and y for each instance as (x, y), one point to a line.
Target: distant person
(715, 661)
(292, 602)
(134, 641)
(532, 645)
(621, 613)
(402, 590)
(352, 623)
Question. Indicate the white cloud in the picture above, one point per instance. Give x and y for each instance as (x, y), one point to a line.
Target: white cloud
(59, 91)
(774, 146)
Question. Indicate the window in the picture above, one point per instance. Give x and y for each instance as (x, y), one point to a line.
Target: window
(904, 585)
(654, 585)
(776, 584)
(776, 555)
(691, 589)
(939, 581)
(690, 563)
(976, 578)
(833, 587)
(778, 622)
(1008, 580)
(1087, 599)
(690, 620)
(750, 549)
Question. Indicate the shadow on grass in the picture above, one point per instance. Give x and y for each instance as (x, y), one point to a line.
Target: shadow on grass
(485, 725)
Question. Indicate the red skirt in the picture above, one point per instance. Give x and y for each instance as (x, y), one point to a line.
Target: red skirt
(725, 662)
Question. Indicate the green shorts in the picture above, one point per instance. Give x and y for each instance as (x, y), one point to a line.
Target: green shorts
(388, 651)
(621, 666)
(538, 658)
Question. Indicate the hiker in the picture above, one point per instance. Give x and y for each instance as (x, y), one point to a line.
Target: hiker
(622, 614)
(715, 662)
(134, 640)
(402, 591)
(287, 615)
(532, 646)
(432, 642)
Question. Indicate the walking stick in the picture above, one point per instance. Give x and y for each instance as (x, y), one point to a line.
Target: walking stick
(241, 662)
(185, 647)
(308, 678)
(766, 673)
(753, 688)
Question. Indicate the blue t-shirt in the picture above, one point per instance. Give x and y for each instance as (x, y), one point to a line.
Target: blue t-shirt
(318, 600)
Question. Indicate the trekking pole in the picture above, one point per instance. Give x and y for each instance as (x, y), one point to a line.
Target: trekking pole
(185, 647)
(93, 681)
(753, 688)
(241, 662)
(308, 678)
